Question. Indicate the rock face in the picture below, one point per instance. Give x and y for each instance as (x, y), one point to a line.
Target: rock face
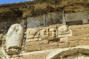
(14, 39)
(77, 18)
(44, 20)
(38, 40)
(50, 33)
(43, 38)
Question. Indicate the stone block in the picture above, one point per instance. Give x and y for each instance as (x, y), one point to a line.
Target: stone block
(43, 41)
(84, 42)
(63, 45)
(73, 43)
(32, 46)
(49, 46)
(65, 39)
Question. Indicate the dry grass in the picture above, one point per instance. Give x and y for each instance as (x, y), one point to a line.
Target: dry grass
(39, 8)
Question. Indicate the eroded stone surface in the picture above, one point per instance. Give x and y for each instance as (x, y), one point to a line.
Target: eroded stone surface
(14, 39)
(68, 41)
(82, 38)
(49, 33)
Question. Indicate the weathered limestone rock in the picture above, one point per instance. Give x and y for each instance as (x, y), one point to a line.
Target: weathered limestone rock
(78, 30)
(32, 46)
(65, 39)
(50, 32)
(63, 31)
(14, 39)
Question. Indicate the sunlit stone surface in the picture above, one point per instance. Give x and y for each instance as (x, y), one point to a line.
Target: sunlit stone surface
(14, 38)
(49, 33)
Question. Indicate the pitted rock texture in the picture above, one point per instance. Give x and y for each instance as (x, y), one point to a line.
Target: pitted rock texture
(80, 37)
(14, 39)
(51, 32)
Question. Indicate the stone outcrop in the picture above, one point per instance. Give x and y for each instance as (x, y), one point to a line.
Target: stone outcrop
(44, 20)
(45, 40)
(14, 39)
(80, 36)
(51, 37)
(48, 33)
(33, 16)
(77, 18)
